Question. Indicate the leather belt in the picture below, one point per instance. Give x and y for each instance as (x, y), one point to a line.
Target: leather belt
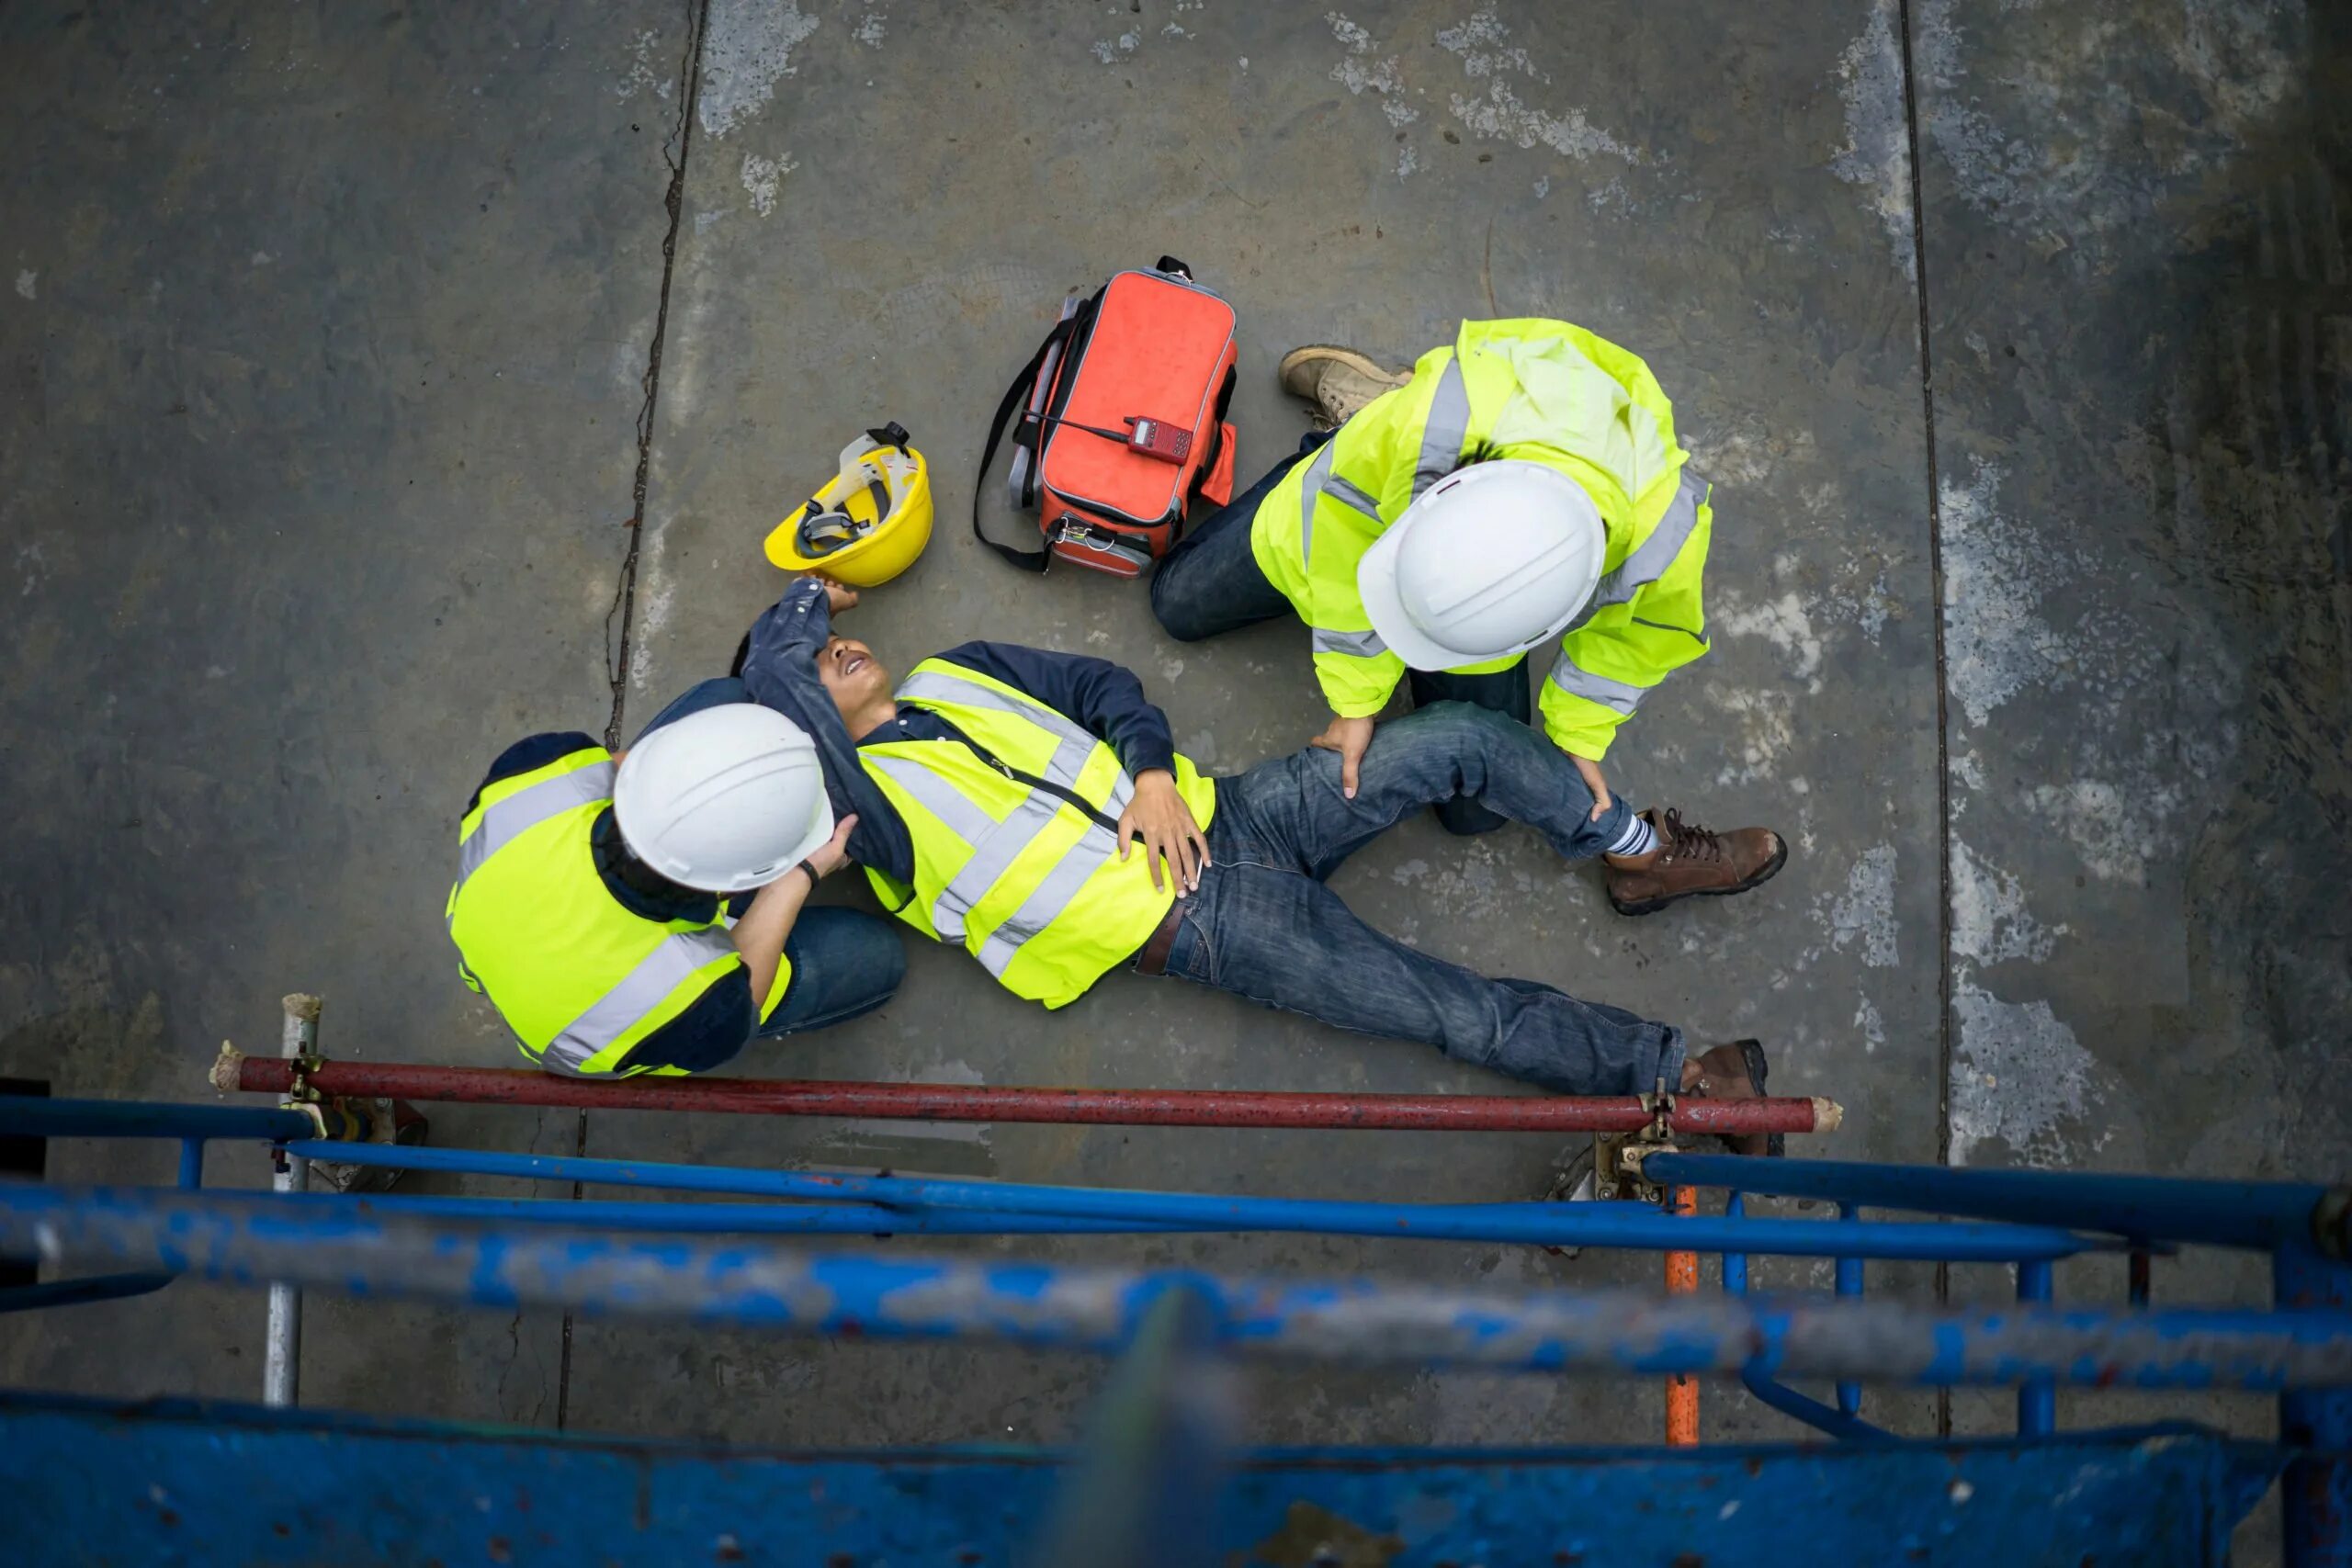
(1152, 957)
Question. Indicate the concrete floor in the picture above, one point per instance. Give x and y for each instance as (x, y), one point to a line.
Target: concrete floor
(340, 346)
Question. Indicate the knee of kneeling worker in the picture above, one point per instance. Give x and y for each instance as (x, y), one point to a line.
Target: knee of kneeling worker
(1178, 620)
(1462, 727)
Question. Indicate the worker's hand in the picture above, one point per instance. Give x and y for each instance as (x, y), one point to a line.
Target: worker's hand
(1157, 814)
(1594, 781)
(834, 853)
(839, 596)
(1350, 738)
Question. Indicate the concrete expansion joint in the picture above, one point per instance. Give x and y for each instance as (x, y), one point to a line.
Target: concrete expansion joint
(620, 619)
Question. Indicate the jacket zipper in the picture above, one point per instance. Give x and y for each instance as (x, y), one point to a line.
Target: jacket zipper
(1108, 824)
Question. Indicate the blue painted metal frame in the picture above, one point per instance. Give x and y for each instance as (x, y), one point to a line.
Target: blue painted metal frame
(94, 1482)
(2027, 1219)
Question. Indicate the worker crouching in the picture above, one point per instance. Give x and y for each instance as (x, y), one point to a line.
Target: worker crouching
(646, 913)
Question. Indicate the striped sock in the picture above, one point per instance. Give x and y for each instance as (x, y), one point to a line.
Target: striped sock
(1638, 839)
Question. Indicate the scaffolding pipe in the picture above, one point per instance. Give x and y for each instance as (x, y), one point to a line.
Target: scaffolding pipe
(763, 1286)
(1534, 1223)
(965, 1102)
(281, 1369)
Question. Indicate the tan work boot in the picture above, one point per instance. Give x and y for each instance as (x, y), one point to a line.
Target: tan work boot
(1338, 381)
(1687, 861)
(1737, 1071)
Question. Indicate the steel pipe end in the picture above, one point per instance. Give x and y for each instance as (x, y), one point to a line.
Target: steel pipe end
(302, 1006)
(226, 1067)
(1827, 1115)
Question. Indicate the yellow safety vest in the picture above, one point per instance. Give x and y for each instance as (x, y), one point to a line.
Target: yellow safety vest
(1014, 853)
(579, 979)
(1548, 392)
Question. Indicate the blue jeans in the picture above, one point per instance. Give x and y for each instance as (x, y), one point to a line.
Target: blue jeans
(1211, 582)
(1262, 924)
(844, 962)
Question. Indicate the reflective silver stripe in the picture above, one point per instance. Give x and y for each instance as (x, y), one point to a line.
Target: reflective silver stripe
(1040, 908)
(1362, 644)
(926, 685)
(658, 974)
(1581, 682)
(962, 816)
(1654, 555)
(501, 824)
(1309, 490)
(990, 860)
(1448, 428)
(1341, 489)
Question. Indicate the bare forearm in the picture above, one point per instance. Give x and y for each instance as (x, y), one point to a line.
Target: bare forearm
(760, 934)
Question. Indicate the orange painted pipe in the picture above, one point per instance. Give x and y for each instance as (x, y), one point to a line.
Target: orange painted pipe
(1682, 1280)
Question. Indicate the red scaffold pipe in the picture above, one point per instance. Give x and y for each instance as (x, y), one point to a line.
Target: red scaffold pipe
(962, 1102)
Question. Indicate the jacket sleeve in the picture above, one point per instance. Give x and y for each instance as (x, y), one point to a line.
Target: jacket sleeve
(709, 1033)
(1107, 698)
(780, 671)
(1609, 664)
(1363, 481)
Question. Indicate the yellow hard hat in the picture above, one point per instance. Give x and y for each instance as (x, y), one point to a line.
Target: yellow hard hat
(869, 521)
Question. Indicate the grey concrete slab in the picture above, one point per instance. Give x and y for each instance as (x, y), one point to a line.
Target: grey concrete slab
(2136, 278)
(321, 354)
(882, 210)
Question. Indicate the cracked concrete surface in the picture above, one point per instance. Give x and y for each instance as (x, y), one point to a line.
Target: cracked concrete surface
(344, 355)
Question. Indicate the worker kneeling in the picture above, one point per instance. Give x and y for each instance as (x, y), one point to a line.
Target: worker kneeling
(594, 892)
(999, 792)
(1521, 484)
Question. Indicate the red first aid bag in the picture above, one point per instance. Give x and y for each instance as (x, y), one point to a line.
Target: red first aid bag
(1121, 423)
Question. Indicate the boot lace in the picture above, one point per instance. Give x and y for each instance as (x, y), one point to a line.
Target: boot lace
(1688, 841)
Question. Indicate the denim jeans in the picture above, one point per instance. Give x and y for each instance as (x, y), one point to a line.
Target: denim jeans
(844, 962)
(1211, 582)
(1262, 924)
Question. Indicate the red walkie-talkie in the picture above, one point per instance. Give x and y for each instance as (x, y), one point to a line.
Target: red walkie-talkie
(1153, 438)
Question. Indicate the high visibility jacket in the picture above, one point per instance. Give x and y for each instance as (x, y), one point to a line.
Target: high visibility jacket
(1547, 392)
(578, 977)
(1016, 855)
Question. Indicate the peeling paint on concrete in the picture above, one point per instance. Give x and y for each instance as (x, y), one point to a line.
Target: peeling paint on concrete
(1783, 622)
(642, 75)
(2115, 832)
(1989, 920)
(1869, 1025)
(747, 48)
(870, 30)
(1996, 574)
(2084, 160)
(762, 177)
(28, 281)
(1498, 113)
(1766, 728)
(1864, 914)
(2019, 1075)
(1877, 153)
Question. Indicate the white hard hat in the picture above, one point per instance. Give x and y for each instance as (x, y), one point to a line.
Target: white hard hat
(725, 799)
(1492, 560)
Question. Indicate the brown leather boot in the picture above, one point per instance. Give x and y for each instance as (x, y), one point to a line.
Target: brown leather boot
(1338, 381)
(1737, 1071)
(1687, 861)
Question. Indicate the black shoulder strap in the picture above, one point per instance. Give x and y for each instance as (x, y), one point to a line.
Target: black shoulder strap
(1015, 395)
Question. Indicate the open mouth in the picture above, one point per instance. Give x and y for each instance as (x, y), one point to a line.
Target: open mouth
(853, 662)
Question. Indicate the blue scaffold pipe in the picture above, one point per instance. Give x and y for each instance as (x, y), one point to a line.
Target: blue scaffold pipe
(698, 1219)
(1849, 1285)
(767, 1286)
(2257, 1214)
(27, 1117)
(74, 1292)
(1736, 1263)
(1632, 1226)
(2037, 1400)
(1839, 1424)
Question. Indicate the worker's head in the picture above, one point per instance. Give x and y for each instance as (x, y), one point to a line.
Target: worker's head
(1493, 560)
(859, 686)
(723, 800)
